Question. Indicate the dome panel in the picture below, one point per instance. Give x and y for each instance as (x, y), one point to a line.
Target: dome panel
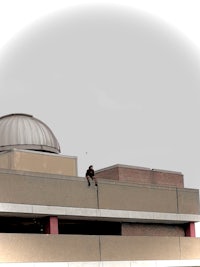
(23, 131)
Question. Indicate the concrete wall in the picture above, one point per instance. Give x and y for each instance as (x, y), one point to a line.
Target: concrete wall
(38, 248)
(55, 191)
(5, 160)
(140, 175)
(33, 188)
(188, 200)
(140, 198)
(38, 162)
(66, 248)
(190, 248)
(148, 198)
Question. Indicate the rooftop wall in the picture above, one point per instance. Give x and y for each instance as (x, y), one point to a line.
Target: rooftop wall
(41, 189)
(41, 162)
(59, 190)
(127, 196)
(140, 175)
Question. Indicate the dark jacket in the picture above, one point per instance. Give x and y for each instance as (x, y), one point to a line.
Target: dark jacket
(90, 173)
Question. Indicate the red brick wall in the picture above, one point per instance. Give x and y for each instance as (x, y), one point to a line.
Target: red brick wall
(138, 229)
(110, 173)
(139, 176)
(167, 178)
(142, 176)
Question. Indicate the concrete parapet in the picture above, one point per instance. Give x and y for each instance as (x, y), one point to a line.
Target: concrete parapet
(140, 198)
(68, 248)
(64, 191)
(40, 189)
(48, 248)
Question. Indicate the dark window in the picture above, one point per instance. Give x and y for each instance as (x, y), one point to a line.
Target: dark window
(75, 227)
(81, 227)
(22, 225)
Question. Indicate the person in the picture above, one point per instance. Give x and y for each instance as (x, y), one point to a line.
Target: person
(91, 175)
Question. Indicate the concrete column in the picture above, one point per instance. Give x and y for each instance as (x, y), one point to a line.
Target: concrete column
(190, 230)
(52, 225)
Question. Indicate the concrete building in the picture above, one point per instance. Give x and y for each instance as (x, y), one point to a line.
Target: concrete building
(50, 217)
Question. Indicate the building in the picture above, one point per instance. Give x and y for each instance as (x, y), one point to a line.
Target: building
(49, 216)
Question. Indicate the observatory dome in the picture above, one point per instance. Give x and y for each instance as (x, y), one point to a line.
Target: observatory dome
(23, 131)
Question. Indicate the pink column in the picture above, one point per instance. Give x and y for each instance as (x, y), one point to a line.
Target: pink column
(52, 226)
(190, 230)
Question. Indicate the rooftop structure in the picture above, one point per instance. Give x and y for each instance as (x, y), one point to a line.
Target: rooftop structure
(48, 215)
(23, 131)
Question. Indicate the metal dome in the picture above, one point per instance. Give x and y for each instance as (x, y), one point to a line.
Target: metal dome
(23, 131)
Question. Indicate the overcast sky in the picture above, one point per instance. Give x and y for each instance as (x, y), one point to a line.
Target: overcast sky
(116, 81)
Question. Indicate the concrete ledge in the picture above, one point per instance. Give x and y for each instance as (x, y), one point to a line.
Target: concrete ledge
(12, 209)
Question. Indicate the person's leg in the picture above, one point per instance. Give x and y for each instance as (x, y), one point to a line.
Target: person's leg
(88, 180)
(95, 179)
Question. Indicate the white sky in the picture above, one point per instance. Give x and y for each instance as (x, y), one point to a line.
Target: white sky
(181, 14)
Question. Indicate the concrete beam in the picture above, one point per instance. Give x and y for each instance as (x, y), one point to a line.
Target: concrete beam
(21, 210)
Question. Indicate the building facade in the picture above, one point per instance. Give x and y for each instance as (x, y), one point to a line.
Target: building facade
(49, 216)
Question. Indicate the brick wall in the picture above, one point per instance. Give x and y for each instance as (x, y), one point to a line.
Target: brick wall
(141, 176)
(108, 173)
(139, 229)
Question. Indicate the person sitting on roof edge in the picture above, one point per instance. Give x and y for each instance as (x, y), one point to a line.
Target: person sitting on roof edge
(91, 175)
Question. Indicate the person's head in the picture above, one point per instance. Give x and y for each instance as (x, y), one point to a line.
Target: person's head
(90, 167)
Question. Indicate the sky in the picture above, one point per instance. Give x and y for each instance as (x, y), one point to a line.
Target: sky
(16, 15)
